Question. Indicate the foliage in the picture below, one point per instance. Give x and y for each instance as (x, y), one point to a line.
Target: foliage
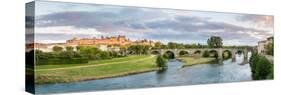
(215, 42)
(90, 52)
(169, 55)
(69, 48)
(172, 45)
(157, 45)
(104, 55)
(261, 67)
(139, 49)
(166, 56)
(57, 48)
(182, 53)
(206, 53)
(83, 55)
(269, 49)
(161, 62)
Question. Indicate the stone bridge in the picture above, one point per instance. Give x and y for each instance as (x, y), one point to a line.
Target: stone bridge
(200, 51)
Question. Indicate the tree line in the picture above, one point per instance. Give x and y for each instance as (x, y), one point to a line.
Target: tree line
(212, 42)
(82, 55)
(261, 67)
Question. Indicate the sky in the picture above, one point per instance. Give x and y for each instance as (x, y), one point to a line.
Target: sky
(58, 22)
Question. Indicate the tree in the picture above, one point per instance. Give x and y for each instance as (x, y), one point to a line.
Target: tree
(66, 55)
(164, 46)
(206, 53)
(263, 69)
(269, 49)
(57, 48)
(180, 46)
(182, 53)
(157, 45)
(123, 50)
(69, 48)
(161, 62)
(172, 45)
(139, 49)
(90, 52)
(215, 42)
(146, 49)
(104, 55)
(166, 56)
(78, 48)
(271, 73)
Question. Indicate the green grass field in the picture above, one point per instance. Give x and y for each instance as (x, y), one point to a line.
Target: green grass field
(40, 67)
(189, 61)
(94, 69)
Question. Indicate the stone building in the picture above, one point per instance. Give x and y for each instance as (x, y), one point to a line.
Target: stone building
(262, 45)
(120, 40)
(104, 43)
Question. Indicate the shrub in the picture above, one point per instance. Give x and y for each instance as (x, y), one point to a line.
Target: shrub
(104, 55)
(261, 67)
(271, 73)
(84, 54)
(161, 62)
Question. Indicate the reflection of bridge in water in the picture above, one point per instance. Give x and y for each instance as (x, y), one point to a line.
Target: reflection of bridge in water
(219, 51)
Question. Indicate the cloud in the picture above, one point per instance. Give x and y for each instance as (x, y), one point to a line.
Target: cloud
(83, 19)
(62, 33)
(199, 25)
(260, 20)
(67, 30)
(144, 23)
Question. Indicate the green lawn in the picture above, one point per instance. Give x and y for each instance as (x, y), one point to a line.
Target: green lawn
(94, 69)
(40, 67)
(189, 61)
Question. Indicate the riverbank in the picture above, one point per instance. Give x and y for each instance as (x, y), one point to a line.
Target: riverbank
(48, 74)
(190, 61)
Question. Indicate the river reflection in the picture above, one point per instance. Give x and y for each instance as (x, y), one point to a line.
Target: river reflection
(175, 75)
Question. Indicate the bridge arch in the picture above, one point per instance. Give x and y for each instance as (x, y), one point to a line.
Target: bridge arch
(213, 53)
(239, 51)
(197, 52)
(169, 54)
(183, 53)
(242, 51)
(155, 52)
(227, 54)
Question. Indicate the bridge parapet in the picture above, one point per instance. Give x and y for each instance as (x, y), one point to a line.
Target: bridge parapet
(220, 51)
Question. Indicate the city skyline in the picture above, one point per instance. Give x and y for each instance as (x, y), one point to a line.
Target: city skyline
(58, 22)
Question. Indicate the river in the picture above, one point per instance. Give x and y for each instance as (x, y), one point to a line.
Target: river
(175, 75)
